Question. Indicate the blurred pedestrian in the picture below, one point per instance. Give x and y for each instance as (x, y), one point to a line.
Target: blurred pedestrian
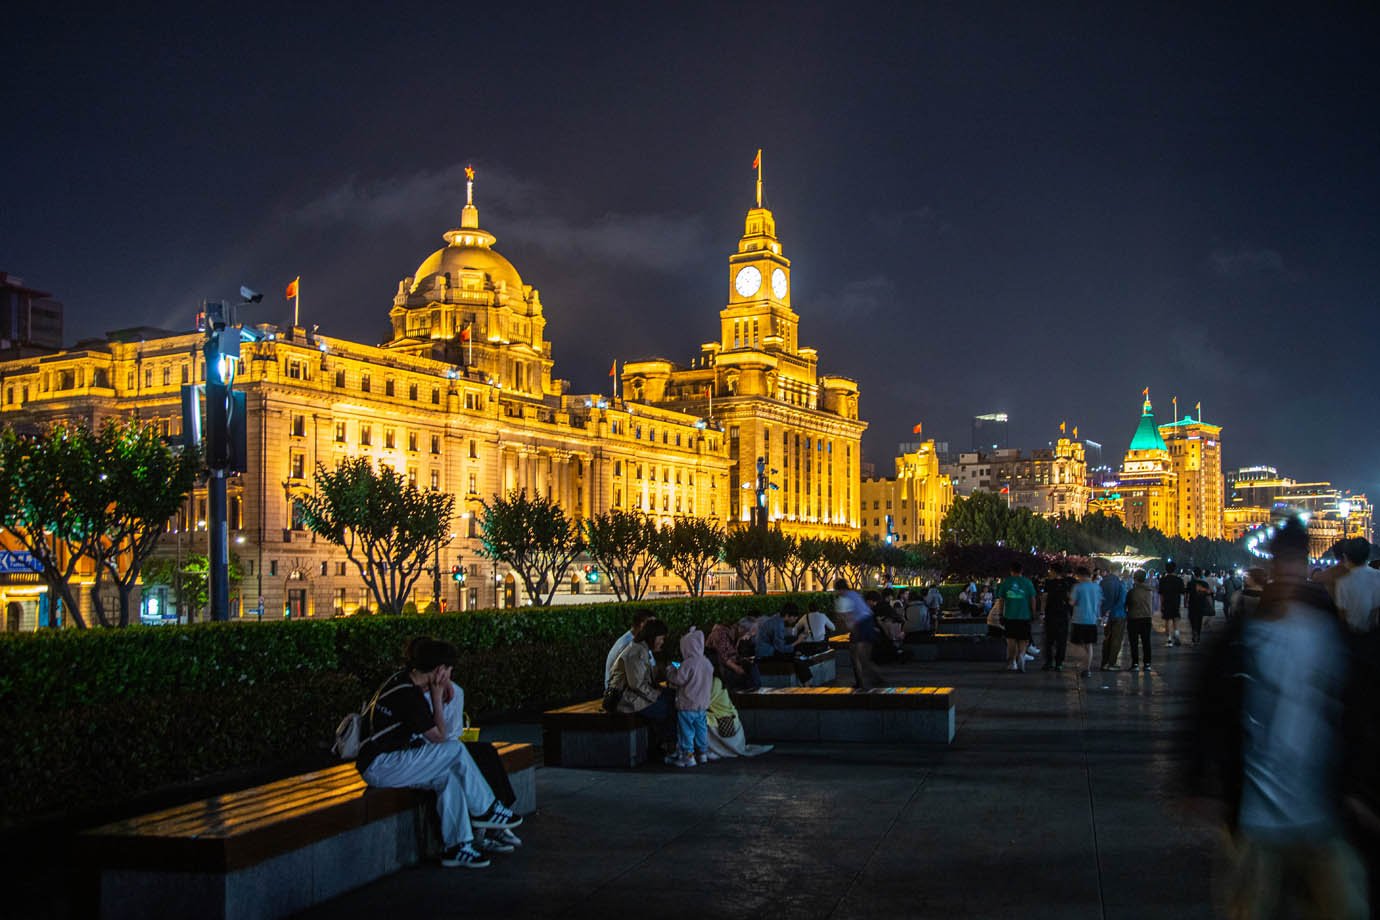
(1140, 608)
(1269, 728)
(863, 634)
(1114, 615)
(1171, 603)
(1058, 606)
(1199, 604)
(1087, 604)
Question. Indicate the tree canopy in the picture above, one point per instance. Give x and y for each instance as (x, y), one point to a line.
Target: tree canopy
(534, 536)
(388, 528)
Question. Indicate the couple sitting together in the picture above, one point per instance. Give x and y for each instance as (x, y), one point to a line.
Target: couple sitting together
(694, 707)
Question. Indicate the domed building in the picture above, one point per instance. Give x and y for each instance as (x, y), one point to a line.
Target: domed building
(467, 305)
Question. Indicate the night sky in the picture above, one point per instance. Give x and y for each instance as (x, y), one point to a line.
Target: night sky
(1027, 208)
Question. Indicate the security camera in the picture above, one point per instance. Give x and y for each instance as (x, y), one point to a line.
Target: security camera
(250, 295)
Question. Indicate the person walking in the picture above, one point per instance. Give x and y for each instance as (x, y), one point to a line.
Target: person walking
(1140, 609)
(1087, 604)
(1114, 610)
(1171, 603)
(1200, 604)
(1269, 736)
(1058, 606)
(1017, 597)
(863, 634)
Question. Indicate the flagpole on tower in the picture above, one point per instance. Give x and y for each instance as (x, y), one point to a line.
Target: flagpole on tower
(757, 164)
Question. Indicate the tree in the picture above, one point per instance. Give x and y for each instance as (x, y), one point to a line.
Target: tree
(140, 485)
(754, 552)
(797, 563)
(830, 558)
(388, 528)
(191, 582)
(690, 547)
(624, 544)
(535, 537)
(68, 493)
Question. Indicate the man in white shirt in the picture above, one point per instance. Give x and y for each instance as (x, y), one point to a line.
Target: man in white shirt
(1357, 591)
(623, 641)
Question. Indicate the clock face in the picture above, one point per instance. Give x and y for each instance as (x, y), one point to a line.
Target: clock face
(778, 283)
(748, 280)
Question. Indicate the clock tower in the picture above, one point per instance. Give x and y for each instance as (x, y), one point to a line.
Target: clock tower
(759, 314)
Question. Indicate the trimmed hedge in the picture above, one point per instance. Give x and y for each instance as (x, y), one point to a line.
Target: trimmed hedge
(98, 715)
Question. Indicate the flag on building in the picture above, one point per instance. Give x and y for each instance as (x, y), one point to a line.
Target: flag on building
(292, 287)
(1005, 490)
(757, 160)
(613, 370)
(465, 333)
(919, 426)
(1062, 427)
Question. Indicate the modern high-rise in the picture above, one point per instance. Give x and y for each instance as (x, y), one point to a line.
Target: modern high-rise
(30, 320)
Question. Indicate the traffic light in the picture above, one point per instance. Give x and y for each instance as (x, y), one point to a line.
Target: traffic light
(592, 574)
(457, 574)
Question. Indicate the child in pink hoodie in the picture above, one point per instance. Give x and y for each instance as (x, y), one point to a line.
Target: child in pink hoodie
(693, 681)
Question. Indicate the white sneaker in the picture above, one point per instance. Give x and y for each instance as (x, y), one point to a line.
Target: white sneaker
(1029, 657)
(465, 856)
(1032, 650)
(488, 844)
(708, 757)
(1011, 666)
(505, 837)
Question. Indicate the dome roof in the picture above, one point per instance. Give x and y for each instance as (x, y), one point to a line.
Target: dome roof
(476, 257)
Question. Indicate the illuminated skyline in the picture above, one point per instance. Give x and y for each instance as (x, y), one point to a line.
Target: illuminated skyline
(1010, 209)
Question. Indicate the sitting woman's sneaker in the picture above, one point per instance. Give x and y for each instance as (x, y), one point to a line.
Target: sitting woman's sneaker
(505, 837)
(464, 856)
(489, 843)
(498, 816)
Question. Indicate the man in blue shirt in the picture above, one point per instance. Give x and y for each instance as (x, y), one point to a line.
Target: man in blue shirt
(1114, 609)
(774, 644)
(1087, 602)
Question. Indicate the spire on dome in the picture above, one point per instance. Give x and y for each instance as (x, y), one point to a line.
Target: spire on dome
(1147, 436)
(469, 234)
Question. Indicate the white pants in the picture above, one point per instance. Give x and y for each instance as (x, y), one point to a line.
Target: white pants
(445, 768)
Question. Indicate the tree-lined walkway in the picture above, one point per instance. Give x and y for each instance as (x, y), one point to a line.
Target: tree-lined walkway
(1052, 802)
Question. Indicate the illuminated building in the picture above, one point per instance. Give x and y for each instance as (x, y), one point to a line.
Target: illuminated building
(471, 418)
(1050, 482)
(763, 389)
(1237, 522)
(1147, 487)
(1333, 513)
(916, 499)
(990, 431)
(1195, 449)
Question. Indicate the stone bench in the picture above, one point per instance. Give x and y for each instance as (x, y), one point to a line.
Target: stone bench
(947, 646)
(275, 849)
(779, 673)
(961, 625)
(887, 714)
(584, 735)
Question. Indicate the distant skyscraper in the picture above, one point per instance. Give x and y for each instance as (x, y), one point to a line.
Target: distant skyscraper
(990, 431)
(30, 320)
(1195, 447)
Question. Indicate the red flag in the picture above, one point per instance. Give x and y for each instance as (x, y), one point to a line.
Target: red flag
(292, 287)
(613, 370)
(465, 334)
(757, 160)
(917, 429)
(1005, 490)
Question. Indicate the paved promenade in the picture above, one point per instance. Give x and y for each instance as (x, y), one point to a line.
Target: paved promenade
(1052, 802)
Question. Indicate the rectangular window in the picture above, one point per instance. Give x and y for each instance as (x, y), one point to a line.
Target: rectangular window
(299, 426)
(167, 376)
(388, 387)
(273, 567)
(340, 568)
(340, 432)
(435, 396)
(296, 370)
(340, 378)
(474, 490)
(366, 435)
(390, 438)
(364, 383)
(435, 480)
(435, 443)
(412, 392)
(412, 441)
(186, 374)
(299, 466)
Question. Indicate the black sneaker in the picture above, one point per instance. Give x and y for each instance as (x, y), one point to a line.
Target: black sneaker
(465, 856)
(498, 816)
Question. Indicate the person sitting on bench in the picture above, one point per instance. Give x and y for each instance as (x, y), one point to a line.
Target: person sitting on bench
(638, 618)
(774, 644)
(722, 649)
(409, 745)
(634, 673)
(812, 632)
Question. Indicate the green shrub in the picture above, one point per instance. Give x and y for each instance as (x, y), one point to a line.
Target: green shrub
(97, 715)
(409, 609)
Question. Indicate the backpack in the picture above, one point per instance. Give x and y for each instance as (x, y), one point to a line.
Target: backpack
(349, 734)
